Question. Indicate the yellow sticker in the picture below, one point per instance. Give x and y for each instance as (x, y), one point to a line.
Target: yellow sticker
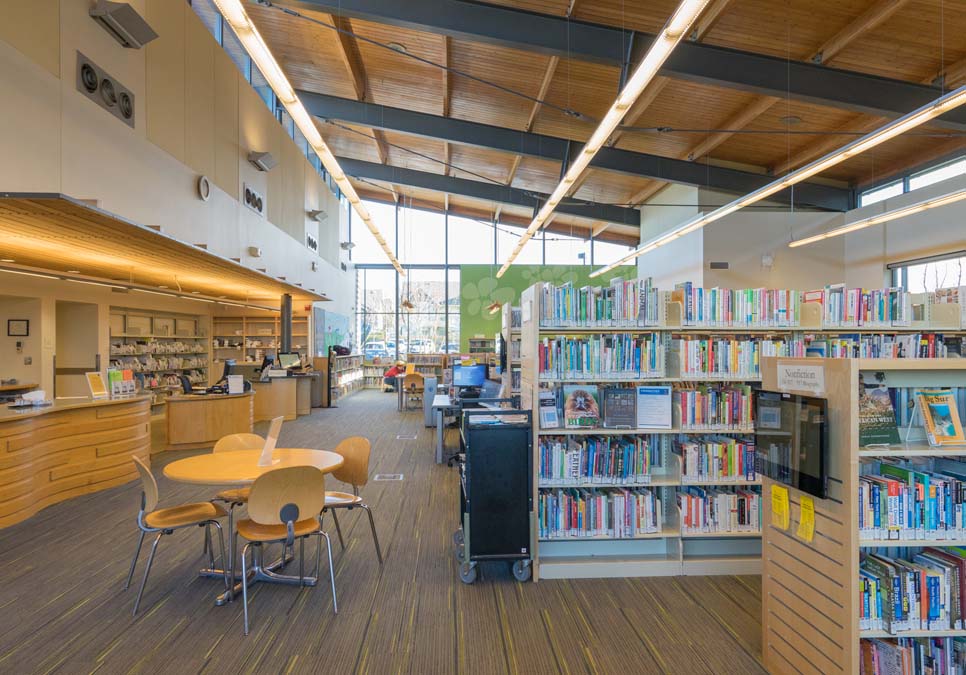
(806, 520)
(779, 506)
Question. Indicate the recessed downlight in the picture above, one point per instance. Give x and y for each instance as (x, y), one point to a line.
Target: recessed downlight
(7, 260)
(73, 271)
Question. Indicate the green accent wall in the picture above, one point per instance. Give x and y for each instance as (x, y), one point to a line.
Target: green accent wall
(479, 288)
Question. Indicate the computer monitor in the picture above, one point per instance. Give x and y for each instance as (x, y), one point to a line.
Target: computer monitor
(229, 370)
(469, 376)
(267, 363)
(185, 384)
(289, 360)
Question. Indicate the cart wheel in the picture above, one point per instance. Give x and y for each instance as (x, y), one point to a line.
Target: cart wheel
(468, 573)
(521, 570)
(458, 536)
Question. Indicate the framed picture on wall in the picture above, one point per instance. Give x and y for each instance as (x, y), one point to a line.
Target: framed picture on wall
(18, 327)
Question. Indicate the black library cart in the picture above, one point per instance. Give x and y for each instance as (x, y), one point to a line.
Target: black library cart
(496, 491)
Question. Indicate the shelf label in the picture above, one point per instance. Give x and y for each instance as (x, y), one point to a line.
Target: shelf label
(799, 377)
(779, 507)
(806, 519)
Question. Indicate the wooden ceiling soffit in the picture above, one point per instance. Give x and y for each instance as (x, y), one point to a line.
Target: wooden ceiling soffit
(59, 233)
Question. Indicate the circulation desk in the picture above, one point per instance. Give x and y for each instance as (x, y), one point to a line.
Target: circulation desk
(71, 448)
(199, 421)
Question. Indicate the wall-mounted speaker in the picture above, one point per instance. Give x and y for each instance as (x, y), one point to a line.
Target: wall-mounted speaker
(97, 85)
(254, 200)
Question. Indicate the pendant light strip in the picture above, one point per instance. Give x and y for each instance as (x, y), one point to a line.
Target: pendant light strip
(664, 43)
(928, 112)
(895, 214)
(236, 16)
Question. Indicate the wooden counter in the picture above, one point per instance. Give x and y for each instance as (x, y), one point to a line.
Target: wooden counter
(276, 397)
(71, 448)
(199, 421)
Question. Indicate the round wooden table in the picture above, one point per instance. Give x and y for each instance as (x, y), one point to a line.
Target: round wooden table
(240, 468)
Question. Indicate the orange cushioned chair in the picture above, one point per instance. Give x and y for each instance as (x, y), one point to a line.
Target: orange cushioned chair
(354, 471)
(285, 505)
(165, 521)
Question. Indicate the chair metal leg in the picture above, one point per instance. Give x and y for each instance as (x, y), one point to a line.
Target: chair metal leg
(328, 546)
(301, 560)
(221, 546)
(338, 529)
(209, 547)
(375, 537)
(137, 552)
(245, 583)
(147, 571)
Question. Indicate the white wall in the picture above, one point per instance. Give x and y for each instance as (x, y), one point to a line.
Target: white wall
(682, 259)
(11, 361)
(195, 115)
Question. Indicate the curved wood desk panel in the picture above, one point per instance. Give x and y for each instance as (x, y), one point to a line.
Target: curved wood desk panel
(69, 449)
(199, 421)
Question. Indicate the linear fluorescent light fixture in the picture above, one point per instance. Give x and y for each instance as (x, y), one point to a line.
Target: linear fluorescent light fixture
(664, 43)
(895, 214)
(258, 50)
(928, 112)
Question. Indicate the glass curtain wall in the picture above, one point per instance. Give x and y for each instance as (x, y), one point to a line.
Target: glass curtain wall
(420, 312)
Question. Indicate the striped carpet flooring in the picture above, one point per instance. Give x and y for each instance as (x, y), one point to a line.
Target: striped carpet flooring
(62, 607)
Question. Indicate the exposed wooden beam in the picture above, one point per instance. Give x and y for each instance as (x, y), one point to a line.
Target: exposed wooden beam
(708, 19)
(878, 12)
(447, 157)
(542, 92)
(647, 97)
(447, 75)
(349, 56)
(598, 228)
(511, 174)
(647, 192)
(953, 75)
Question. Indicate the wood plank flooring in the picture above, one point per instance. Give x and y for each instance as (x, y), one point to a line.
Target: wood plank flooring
(62, 607)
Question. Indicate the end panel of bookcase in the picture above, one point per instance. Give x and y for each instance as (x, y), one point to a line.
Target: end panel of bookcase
(810, 589)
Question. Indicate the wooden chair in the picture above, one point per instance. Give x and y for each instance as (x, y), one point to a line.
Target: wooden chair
(414, 386)
(165, 521)
(354, 471)
(285, 506)
(237, 496)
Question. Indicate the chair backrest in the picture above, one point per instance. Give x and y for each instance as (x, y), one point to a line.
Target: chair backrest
(233, 442)
(415, 381)
(355, 469)
(287, 495)
(149, 486)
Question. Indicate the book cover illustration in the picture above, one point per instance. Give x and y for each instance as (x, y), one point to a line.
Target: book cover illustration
(877, 418)
(940, 417)
(581, 409)
(548, 410)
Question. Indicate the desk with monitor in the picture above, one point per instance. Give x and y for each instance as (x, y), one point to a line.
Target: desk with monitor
(281, 391)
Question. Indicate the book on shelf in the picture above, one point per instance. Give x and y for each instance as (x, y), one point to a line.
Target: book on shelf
(616, 513)
(654, 407)
(940, 417)
(716, 406)
(717, 458)
(617, 356)
(719, 510)
(913, 656)
(730, 357)
(581, 408)
(906, 500)
(619, 406)
(737, 308)
(589, 460)
(623, 303)
(922, 591)
(549, 418)
(880, 307)
(877, 417)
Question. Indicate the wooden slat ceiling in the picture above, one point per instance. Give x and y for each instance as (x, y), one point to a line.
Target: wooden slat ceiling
(57, 233)
(910, 41)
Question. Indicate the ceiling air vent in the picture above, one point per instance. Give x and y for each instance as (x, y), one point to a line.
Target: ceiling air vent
(123, 23)
(719, 265)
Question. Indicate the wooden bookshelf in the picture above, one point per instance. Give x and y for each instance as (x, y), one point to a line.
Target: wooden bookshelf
(160, 346)
(670, 552)
(372, 375)
(510, 330)
(811, 591)
(429, 365)
(346, 376)
(248, 339)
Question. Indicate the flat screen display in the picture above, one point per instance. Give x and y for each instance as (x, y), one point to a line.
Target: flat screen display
(791, 439)
(469, 376)
(288, 360)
